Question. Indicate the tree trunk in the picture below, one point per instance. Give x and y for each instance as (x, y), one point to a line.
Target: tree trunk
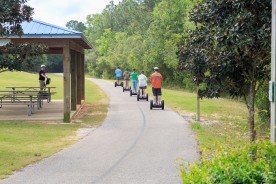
(251, 110)
(198, 104)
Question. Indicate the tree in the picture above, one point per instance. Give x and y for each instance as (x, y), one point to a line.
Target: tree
(75, 25)
(12, 56)
(235, 38)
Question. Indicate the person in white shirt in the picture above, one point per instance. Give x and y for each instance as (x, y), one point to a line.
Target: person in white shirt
(142, 80)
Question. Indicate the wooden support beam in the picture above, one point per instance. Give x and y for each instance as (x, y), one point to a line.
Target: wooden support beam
(79, 78)
(66, 83)
(82, 78)
(74, 80)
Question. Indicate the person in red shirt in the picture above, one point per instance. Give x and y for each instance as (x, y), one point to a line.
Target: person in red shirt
(156, 80)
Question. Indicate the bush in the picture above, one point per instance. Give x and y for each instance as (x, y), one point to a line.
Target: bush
(263, 104)
(255, 163)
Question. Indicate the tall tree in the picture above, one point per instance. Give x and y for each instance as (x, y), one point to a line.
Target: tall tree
(12, 14)
(75, 25)
(234, 36)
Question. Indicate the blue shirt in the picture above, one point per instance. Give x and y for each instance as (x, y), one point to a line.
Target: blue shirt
(118, 72)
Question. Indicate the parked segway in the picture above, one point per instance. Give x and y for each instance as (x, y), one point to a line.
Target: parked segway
(142, 96)
(160, 106)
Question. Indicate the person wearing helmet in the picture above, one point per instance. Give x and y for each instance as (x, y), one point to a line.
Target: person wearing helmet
(156, 80)
(42, 77)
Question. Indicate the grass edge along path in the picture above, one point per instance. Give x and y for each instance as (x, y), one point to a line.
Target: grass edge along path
(23, 142)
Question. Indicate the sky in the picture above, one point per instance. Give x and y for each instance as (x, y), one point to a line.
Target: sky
(59, 12)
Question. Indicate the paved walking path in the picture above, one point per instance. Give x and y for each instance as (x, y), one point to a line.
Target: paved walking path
(135, 145)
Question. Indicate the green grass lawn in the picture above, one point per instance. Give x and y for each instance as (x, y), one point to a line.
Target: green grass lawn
(223, 121)
(23, 142)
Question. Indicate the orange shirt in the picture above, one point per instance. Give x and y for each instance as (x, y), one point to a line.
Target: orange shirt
(156, 80)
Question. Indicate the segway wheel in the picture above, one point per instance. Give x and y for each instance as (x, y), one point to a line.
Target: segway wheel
(138, 96)
(162, 104)
(122, 84)
(147, 97)
(115, 84)
(151, 104)
(123, 89)
(130, 92)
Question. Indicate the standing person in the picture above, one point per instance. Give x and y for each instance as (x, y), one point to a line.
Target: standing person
(118, 73)
(42, 77)
(156, 80)
(142, 79)
(134, 80)
(127, 77)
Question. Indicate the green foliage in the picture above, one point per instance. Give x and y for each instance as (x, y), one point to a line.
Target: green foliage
(75, 25)
(12, 56)
(254, 163)
(139, 34)
(263, 104)
(12, 14)
(230, 49)
(19, 56)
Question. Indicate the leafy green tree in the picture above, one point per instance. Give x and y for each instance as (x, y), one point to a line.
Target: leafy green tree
(170, 23)
(75, 25)
(235, 39)
(12, 56)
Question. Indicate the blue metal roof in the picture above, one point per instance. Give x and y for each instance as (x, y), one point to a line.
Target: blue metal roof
(37, 29)
(40, 28)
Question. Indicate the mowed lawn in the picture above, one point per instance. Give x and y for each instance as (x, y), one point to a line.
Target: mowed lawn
(23, 142)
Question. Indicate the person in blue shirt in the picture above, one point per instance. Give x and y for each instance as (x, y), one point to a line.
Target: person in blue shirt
(118, 73)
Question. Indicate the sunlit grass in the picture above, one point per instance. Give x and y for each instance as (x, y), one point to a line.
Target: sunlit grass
(23, 142)
(223, 121)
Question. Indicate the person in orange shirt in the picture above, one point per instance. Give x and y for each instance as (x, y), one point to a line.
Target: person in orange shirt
(156, 80)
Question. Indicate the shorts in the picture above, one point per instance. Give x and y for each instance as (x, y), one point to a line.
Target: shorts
(118, 78)
(142, 87)
(156, 91)
(127, 79)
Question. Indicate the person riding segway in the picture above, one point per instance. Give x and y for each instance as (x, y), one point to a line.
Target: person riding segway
(126, 76)
(133, 75)
(156, 80)
(118, 73)
(142, 81)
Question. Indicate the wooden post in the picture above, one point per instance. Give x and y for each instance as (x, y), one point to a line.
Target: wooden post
(73, 80)
(66, 83)
(79, 76)
(82, 77)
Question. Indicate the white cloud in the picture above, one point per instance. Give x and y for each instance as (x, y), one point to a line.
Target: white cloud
(59, 12)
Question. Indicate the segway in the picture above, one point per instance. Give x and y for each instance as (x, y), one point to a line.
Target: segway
(142, 96)
(116, 84)
(132, 93)
(160, 106)
(126, 88)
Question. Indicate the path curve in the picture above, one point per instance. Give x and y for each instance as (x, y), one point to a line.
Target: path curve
(135, 145)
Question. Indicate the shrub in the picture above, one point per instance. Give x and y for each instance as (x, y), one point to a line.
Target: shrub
(255, 163)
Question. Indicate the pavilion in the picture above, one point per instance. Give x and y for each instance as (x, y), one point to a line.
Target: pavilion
(64, 41)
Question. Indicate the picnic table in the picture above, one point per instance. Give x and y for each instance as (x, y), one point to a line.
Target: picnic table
(45, 93)
(15, 97)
